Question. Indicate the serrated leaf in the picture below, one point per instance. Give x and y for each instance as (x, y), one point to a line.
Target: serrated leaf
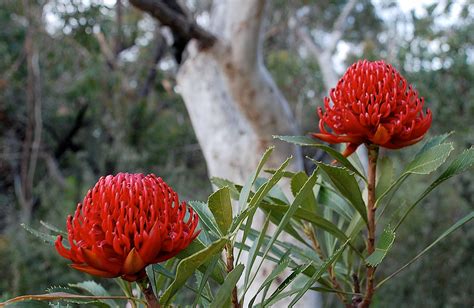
(344, 181)
(187, 266)
(225, 290)
(81, 299)
(430, 160)
(95, 289)
(297, 182)
(205, 216)
(234, 188)
(450, 230)
(196, 246)
(460, 164)
(47, 238)
(221, 207)
(434, 141)
(383, 246)
(318, 273)
(307, 141)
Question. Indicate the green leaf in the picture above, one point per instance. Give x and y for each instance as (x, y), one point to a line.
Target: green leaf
(221, 207)
(244, 194)
(318, 274)
(460, 164)
(450, 230)
(160, 269)
(345, 182)
(95, 289)
(436, 140)
(255, 249)
(52, 228)
(205, 216)
(288, 280)
(196, 246)
(383, 246)
(187, 266)
(47, 238)
(308, 216)
(429, 160)
(259, 195)
(297, 182)
(277, 270)
(234, 188)
(225, 289)
(384, 175)
(307, 141)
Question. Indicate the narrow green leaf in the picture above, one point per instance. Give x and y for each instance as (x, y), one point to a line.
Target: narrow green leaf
(95, 289)
(460, 164)
(288, 280)
(430, 160)
(225, 290)
(221, 207)
(52, 228)
(318, 274)
(244, 194)
(187, 266)
(384, 175)
(163, 271)
(307, 141)
(383, 246)
(308, 216)
(450, 230)
(297, 182)
(257, 244)
(338, 204)
(260, 194)
(205, 217)
(47, 238)
(345, 182)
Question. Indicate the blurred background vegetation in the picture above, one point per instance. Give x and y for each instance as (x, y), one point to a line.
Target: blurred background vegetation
(87, 88)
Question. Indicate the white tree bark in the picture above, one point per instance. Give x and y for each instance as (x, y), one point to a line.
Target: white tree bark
(234, 104)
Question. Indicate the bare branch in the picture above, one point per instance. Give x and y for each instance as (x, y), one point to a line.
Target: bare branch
(178, 23)
(340, 24)
(106, 50)
(160, 48)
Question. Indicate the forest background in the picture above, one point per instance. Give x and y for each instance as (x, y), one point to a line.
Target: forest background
(88, 88)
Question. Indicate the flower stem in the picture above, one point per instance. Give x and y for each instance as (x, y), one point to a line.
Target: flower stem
(309, 231)
(151, 299)
(373, 152)
(230, 267)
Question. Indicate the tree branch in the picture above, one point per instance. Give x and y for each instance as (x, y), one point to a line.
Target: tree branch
(340, 24)
(160, 48)
(177, 22)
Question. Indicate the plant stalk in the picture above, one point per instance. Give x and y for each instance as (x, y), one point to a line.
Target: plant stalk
(147, 289)
(230, 267)
(309, 230)
(373, 152)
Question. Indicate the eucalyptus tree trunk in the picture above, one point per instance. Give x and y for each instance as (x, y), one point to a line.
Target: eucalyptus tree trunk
(234, 104)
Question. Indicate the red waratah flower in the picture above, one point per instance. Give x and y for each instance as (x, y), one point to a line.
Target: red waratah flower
(125, 223)
(373, 104)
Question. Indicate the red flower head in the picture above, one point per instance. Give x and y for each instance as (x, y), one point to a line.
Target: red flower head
(125, 223)
(373, 104)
